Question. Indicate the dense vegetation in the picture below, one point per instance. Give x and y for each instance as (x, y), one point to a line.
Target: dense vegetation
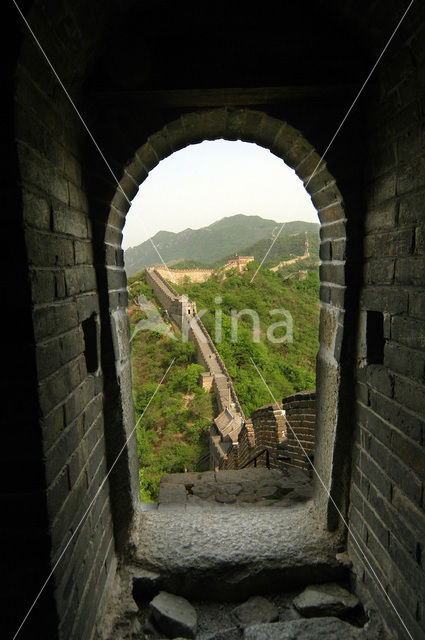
(287, 367)
(173, 433)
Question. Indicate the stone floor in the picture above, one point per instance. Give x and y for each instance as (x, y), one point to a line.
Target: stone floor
(211, 490)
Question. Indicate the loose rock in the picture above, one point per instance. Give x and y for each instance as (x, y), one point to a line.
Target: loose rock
(173, 615)
(325, 600)
(256, 610)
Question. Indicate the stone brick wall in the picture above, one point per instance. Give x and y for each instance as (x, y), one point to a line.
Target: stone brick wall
(69, 379)
(265, 428)
(387, 509)
(246, 443)
(300, 410)
(231, 459)
(290, 423)
(223, 394)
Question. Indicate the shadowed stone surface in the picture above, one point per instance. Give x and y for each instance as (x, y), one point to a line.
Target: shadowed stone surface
(173, 615)
(145, 583)
(312, 629)
(325, 600)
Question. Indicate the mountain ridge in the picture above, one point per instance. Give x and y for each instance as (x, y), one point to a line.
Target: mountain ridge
(212, 243)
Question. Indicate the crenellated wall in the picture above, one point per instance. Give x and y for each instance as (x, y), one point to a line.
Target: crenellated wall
(300, 411)
(265, 429)
(286, 429)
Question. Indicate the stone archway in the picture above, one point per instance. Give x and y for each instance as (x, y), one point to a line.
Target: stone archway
(290, 145)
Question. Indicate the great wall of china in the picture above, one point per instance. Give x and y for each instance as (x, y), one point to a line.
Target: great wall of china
(285, 429)
(178, 276)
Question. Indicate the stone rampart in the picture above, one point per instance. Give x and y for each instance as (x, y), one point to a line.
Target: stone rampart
(178, 307)
(286, 429)
(178, 276)
(265, 429)
(222, 366)
(239, 263)
(300, 417)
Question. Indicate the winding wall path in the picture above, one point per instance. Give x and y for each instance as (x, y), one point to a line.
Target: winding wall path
(228, 423)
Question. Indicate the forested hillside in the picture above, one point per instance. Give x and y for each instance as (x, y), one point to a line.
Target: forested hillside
(287, 367)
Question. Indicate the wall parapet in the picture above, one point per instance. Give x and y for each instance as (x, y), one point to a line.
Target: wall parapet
(285, 428)
(301, 419)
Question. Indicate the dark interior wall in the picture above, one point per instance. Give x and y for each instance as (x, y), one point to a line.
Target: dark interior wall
(387, 497)
(25, 537)
(66, 376)
(69, 264)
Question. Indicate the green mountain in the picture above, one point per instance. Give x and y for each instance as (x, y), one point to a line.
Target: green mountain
(209, 245)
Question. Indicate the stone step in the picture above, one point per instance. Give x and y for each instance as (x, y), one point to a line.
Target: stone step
(235, 551)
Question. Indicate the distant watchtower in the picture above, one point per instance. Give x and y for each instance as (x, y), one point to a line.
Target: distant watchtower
(239, 262)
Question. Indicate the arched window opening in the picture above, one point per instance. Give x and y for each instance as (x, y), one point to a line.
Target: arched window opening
(231, 235)
(289, 145)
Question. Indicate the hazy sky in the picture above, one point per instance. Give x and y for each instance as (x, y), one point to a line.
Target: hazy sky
(208, 181)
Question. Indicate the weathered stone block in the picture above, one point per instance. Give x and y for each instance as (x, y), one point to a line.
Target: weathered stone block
(174, 615)
(411, 208)
(410, 271)
(256, 610)
(69, 221)
(36, 211)
(325, 600)
(83, 252)
(333, 230)
(379, 271)
(80, 279)
(42, 286)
